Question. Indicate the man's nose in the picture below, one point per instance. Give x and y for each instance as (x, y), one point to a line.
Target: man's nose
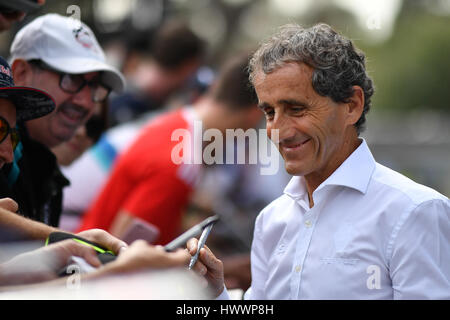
(83, 98)
(282, 125)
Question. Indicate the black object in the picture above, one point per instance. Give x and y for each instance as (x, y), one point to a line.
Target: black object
(104, 255)
(34, 180)
(30, 103)
(27, 6)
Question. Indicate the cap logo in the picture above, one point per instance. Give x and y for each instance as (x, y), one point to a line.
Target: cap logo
(6, 71)
(83, 37)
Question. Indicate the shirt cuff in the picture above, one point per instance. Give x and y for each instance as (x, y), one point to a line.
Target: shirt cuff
(224, 295)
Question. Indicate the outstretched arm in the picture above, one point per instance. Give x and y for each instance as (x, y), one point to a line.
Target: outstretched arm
(26, 228)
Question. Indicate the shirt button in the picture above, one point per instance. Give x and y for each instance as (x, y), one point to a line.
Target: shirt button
(298, 269)
(308, 223)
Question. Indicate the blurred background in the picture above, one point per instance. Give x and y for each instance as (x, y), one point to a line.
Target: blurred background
(406, 42)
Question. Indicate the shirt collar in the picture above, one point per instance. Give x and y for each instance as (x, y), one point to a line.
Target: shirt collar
(355, 172)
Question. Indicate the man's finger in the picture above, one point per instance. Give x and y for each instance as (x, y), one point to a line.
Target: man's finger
(179, 257)
(104, 239)
(192, 246)
(9, 204)
(200, 268)
(67, 248)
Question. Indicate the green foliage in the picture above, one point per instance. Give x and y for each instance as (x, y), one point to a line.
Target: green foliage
(412, 69)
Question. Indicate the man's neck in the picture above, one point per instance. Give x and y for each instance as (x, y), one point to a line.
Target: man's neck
(313, 180)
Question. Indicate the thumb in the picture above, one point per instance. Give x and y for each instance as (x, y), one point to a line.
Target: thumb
(9, 204)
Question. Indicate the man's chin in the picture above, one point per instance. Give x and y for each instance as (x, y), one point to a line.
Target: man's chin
(295, 170)
(58, 139)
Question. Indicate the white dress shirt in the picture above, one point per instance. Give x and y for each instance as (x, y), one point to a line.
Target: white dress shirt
(371, 234)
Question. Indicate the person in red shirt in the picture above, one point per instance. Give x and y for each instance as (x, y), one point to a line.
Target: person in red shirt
(146, 183)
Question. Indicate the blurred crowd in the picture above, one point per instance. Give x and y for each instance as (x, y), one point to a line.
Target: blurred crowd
(100, 155)
(112, 150)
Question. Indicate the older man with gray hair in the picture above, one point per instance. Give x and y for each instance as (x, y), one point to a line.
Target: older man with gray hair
(346, 226)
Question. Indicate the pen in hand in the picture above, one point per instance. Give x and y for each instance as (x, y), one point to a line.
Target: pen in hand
(201, 243)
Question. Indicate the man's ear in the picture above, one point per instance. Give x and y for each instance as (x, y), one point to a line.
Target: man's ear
(22, 73)
(355, 105)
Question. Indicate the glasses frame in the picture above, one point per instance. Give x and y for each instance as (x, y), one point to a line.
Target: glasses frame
(15, 136)
(62, 75)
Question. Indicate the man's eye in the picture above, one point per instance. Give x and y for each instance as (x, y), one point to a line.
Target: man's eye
(297, 109)
(269, 113)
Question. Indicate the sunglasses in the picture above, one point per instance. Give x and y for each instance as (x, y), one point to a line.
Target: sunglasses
(74, 83)
(5, 130)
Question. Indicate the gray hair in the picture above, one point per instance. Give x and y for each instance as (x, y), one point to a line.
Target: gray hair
(337, 64)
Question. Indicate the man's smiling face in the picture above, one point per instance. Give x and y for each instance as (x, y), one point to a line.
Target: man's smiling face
(311, 127)
(72, 110)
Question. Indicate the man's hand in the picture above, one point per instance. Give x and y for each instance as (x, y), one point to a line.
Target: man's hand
(45, 263)
(104, 239)
(9, 204)
(208, 266)
(140, 256)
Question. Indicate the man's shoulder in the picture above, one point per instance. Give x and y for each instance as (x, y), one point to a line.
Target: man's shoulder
(397, 185)
(276, 208)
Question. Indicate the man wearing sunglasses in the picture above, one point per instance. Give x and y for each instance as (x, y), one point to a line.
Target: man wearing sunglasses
(17, 104)
(61, 56)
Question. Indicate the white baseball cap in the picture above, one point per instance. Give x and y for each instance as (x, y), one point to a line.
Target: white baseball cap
(67, 45)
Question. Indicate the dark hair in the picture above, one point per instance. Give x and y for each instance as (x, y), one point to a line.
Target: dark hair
(175, 44)
(232, 87)
(337, 64)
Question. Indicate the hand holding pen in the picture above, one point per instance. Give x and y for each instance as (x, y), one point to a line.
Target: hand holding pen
(200, 245)
(207, 266)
